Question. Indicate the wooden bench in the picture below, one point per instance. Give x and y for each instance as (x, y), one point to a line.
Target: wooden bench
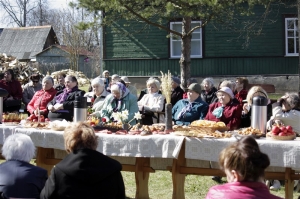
(269, 88)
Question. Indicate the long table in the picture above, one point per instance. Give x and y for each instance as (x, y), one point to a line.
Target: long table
(178, 154)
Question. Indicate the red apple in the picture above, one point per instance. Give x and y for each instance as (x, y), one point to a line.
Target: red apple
(283, 129)
(289, 128)
(275, 130)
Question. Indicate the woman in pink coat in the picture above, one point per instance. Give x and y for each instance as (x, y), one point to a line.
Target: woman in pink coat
(244, 165)
(41, 98)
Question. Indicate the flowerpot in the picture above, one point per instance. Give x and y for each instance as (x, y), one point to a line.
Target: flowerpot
(168, 117)
(126, 126)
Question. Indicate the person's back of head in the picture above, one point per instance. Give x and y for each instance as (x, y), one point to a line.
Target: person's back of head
(18, 147)
(245, 158)
(228, 83)
(80, 136)
(255, 91)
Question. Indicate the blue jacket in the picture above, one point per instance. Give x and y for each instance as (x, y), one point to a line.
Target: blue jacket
(197, 112)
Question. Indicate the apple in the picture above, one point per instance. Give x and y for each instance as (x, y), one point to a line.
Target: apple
(282, 134)
(283, 129)
(275, 130)
(289, 128)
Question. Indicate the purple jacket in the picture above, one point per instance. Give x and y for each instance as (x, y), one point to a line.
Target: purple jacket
(238, 190)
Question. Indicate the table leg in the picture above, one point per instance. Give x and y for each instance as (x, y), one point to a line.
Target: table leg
(42, 155)
(178, 178)
(289, 184)
(141, 178)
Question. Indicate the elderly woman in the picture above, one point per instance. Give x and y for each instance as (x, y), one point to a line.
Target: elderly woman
(189, 82)
(188, 110)
(240, 89)
(130, 87)
(151, 103)
(208, 94)
(97, 96)
(286, 109)
(19, 178)
(60, 78)
(13, 101)
(84, 172)
(105, 76)
(244, 165)
(177, 92)
(31, 88)
(225, 110)
(62, 105)
(246, 112)
(120, 100)
(40, 100)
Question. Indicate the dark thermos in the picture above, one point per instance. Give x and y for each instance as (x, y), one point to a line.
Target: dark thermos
(259, 113)
(80, 109)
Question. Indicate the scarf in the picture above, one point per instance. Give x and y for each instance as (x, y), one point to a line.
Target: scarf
(183, 111)
(218, 112)
(63, 96)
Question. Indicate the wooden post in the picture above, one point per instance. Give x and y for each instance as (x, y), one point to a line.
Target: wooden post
(42, 155)
(289, 184)
(141, 178)
(178, 178)
(168, 118)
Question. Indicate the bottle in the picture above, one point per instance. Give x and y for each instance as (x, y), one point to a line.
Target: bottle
(80, 109)
(259, 113)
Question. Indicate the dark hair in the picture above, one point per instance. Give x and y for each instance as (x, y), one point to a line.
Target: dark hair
(11, 72)
(73, 78)
(245, 157)
(191, 80)
(244, 81)
(60, 74)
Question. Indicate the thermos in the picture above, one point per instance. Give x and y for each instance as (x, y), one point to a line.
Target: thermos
(3, 93)
(80, 109)
(259, 113)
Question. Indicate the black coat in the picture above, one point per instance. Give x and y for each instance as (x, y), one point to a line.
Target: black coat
(210, 97)
(177, 94)
(85, 173)
(68, 104)
(21, 179)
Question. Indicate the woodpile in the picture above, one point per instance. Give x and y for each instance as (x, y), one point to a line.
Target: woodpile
(81, 78)
(22, 70)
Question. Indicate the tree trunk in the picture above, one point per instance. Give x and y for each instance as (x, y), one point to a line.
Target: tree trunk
(185, 60)
(25, 13)
(298, 7)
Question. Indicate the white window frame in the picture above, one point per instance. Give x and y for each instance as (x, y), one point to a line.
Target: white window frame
(295, 29)
(172, 40)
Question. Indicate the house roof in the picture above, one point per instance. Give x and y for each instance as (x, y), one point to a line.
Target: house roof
(81, 51)
(26, 42)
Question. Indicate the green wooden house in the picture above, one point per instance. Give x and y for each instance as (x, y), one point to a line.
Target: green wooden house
(216, 50)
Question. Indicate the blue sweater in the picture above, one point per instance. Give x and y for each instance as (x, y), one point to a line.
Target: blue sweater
(197, 112)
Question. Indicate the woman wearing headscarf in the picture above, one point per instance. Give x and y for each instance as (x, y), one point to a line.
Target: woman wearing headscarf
(38, 103)
(225, 110)
(120, 100)
(13, 101)
(31, 88)
(62, 105)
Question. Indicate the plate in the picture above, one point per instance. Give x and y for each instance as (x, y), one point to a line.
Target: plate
(276, 137)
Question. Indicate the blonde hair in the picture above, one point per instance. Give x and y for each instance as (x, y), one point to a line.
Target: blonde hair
(258, 90)
(228, 83)
(78, 136)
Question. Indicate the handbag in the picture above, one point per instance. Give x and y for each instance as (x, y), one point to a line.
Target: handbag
(11, 103)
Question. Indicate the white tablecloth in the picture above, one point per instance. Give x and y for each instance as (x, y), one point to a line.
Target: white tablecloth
(281, 153)
(160, 146)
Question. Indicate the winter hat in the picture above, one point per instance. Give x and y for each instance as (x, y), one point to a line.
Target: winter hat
(125, 79)
(227, 90)
(195, 87)
(176, 80)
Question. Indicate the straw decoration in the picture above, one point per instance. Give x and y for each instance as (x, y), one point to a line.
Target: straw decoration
(166, 85)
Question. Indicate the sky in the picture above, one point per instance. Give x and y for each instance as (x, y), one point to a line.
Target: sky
(52, 4)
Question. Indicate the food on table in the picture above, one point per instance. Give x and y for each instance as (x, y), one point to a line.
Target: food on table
(250, 131)
(281, 132)
(206, 123)
(35, 125)
(93, 121)
(11, 117)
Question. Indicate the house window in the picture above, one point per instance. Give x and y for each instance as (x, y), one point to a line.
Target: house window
(196, 42)
(291, 37)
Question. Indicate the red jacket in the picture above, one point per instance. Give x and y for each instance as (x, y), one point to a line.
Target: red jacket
(241, 95)
(231, 116)
(13, 88)
(40, 99)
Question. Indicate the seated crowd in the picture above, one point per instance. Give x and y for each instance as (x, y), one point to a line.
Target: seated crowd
(229, 103)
